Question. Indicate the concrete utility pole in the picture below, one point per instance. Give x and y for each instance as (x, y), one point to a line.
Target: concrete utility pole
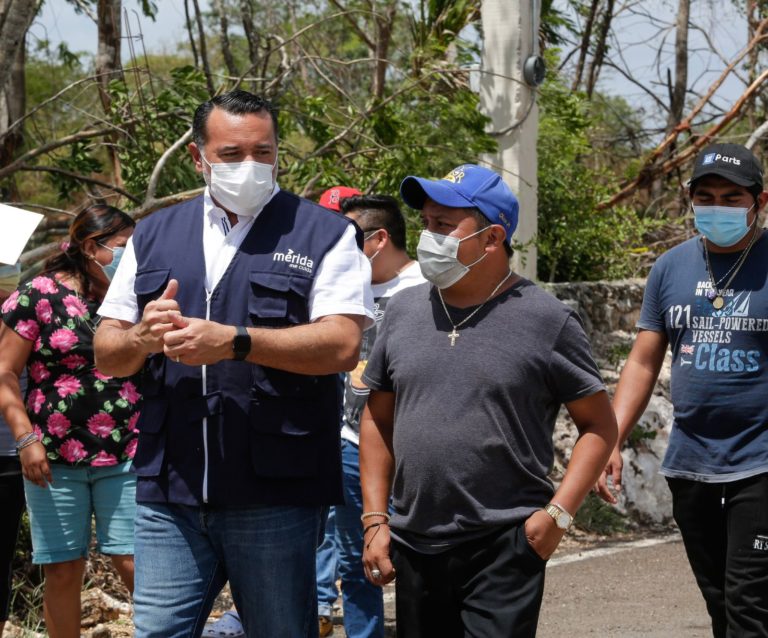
(510, 41)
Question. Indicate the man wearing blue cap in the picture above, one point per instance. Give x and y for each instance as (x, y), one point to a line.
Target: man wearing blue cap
(467, 374)
(708, 300)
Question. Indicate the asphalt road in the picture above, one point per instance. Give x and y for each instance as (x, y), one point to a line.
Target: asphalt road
(624, 591)
(640, 589)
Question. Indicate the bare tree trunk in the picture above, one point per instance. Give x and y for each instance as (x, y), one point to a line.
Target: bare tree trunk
(12, 107)
(191, 34)
(15, 18)
(109, 67)
(226, 49)
(586, 36)
(680, 87)
(601, 48)
(252, 36)
(753, 8)
(384, 25)
(203, 48)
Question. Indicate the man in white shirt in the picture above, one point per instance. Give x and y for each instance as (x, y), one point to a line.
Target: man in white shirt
(238, 439)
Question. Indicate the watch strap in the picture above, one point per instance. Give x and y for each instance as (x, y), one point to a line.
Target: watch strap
(560, 515)
(241, 344)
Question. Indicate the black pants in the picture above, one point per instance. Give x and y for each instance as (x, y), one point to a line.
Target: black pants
(725, 531)
(487, 588)
(11, 508)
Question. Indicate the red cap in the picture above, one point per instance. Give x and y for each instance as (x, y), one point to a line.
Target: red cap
(333, 196)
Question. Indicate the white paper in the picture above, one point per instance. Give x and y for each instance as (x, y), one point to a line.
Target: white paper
(16, 227)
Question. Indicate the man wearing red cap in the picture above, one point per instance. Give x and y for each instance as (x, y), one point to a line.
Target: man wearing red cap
(467, 375)
(707, 298)
(333, 196)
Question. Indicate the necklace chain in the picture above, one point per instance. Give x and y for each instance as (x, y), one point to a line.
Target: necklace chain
(732, 271)
(454, 334)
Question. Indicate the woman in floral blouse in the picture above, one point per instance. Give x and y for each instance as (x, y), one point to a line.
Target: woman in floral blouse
(75, 431)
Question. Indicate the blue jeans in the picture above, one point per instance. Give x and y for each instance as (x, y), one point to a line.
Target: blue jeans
(184, 555)
(363, 602)
(327, 568)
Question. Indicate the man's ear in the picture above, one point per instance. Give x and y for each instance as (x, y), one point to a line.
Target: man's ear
(762, 199)
(195, 153)
(497, 236)
(383, 237)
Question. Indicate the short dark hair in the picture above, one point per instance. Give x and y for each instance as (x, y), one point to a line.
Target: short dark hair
(237, 102)
(375, 212)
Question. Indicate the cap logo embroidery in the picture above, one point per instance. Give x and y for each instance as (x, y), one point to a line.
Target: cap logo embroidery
(504, 219)
(711, 158)
(455, 176)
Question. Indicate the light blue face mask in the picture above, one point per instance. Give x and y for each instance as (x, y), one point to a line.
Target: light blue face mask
(111, 267)
(722, 225)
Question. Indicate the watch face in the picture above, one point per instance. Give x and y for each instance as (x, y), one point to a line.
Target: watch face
(563, 520)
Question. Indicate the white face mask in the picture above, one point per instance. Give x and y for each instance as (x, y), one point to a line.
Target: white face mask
(437, 255)
(365, 239)
(242, 188)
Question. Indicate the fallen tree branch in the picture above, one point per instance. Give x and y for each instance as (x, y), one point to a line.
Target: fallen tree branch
(651, 170)
(81, 178)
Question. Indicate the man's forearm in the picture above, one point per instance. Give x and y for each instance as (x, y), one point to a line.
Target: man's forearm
(632, 395)
(637, 380)
(377, 462)
(118, 351)
(597, 437)
(327, 346)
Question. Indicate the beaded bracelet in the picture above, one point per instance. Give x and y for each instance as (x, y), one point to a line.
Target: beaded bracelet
(25, 440)
(369, 514)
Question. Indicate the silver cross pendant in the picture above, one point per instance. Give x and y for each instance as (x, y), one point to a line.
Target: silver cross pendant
(453, 336)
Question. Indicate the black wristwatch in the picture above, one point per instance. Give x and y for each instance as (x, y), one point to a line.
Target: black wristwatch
(241, 344)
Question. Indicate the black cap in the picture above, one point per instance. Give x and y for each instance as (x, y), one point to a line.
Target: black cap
(733, 162)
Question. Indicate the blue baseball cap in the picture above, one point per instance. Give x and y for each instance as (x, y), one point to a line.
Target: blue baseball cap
(467, 186)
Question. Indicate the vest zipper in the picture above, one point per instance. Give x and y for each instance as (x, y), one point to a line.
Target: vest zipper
(208, 296)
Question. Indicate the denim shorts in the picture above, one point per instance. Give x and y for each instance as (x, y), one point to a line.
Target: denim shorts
(60, 514)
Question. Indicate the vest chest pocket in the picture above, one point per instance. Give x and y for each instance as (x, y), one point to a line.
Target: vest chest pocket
(149, 285)
(278, 298)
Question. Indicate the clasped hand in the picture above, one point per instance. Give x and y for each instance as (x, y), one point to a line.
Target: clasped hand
(163, 328)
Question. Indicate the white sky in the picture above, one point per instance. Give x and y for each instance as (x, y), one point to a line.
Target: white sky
(58, 22)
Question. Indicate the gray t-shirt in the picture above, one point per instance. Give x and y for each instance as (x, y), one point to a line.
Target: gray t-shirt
(474, 421)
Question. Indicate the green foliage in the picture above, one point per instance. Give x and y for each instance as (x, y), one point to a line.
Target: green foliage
(157, 121)
(640, 434)
(595, 515)
(576, 241)
(423, 120)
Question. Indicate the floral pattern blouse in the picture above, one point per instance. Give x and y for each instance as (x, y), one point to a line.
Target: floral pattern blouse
(82, 416)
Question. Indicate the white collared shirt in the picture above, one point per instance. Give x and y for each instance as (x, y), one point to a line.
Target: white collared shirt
(341, 285)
